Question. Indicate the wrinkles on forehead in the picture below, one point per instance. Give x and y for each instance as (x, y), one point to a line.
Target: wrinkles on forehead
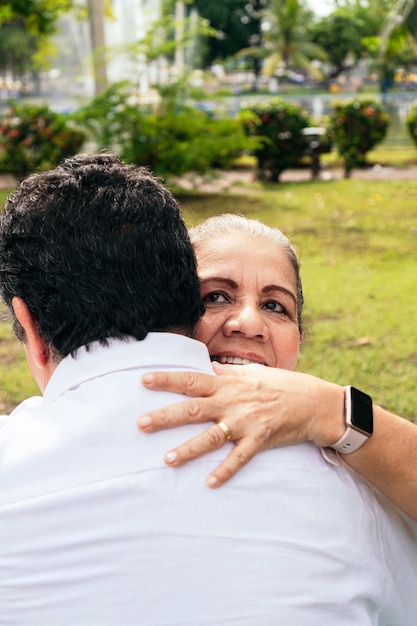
(242, 257)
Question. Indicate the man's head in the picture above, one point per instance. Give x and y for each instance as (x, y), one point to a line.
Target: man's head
(97, 249)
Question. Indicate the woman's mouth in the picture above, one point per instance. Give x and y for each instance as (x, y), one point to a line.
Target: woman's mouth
(234, 360)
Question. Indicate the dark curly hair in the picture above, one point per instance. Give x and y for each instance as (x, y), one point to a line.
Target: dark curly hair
(97, 249)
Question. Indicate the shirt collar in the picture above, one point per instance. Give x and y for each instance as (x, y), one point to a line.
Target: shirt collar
(156, 351)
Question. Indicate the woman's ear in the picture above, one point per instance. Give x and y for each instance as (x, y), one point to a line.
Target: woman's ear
(37, 351)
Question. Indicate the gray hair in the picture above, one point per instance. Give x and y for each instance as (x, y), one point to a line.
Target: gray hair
(227, 223)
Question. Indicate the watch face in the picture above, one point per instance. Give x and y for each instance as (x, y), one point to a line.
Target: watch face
(361, 410)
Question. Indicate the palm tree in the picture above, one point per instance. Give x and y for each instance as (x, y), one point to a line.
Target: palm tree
(287, 46)
(404, 13)
(400, 30)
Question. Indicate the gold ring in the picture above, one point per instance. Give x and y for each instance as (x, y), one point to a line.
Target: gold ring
(225, 429)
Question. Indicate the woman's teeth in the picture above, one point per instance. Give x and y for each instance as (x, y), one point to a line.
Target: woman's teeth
(232, 360)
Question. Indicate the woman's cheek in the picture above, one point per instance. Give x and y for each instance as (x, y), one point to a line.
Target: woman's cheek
(286, 349)
(204, 328)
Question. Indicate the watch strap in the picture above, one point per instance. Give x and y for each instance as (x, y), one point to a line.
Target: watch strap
(350, 442)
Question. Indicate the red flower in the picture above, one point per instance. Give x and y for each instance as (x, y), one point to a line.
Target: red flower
(369, 111)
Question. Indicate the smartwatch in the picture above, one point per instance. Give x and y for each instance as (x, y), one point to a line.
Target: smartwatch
(359, 421)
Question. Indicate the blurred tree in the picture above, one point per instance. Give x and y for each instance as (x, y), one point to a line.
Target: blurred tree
(395, 43)
(338, 35)
(403, 14)
(96, 19)
(25, 26)
(411, 18)
(377, 30)
(39, 16)
(165, 37)
(287, 42)
(237, 25)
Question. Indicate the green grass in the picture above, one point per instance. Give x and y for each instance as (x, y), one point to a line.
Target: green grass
(16, 382)
(357, 240)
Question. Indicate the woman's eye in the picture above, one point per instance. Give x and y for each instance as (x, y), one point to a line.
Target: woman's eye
(215, 298)
(273, 306)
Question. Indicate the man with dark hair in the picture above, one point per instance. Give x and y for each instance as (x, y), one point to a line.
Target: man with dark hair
(75, 234)
(95, 262)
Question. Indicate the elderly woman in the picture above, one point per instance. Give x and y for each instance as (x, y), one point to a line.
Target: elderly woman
(250, 320)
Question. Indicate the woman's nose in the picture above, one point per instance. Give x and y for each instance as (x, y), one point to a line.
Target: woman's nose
(248, 321)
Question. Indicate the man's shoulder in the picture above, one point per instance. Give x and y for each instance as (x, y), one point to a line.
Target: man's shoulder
(27, 405)
(30, 403)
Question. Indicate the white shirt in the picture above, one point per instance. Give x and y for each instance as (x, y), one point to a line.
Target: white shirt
(95, 530)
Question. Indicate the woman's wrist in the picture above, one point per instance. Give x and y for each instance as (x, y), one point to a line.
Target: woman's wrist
(328, 422)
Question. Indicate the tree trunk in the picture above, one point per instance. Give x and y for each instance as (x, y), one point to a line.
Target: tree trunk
(96, 15)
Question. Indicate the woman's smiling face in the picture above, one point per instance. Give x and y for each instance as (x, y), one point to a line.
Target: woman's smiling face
(249, 289)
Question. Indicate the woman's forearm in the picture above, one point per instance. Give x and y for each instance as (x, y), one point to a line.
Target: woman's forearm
(388, 459)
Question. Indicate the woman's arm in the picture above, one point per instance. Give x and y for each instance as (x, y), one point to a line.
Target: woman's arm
(388, 459)
(268, 408)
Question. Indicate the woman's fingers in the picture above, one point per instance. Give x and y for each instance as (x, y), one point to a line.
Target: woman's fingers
(241, 454)
(212, 439)
(209, 396)
(187, 412)
(190, 383)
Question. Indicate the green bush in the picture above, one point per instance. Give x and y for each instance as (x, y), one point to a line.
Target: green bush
(112, 121)
(171, 139)
(33, 138)
(411, 121)
(356, 126)
(278, 125)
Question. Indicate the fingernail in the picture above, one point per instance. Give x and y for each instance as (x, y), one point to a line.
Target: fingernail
(144, 421)
(211, 481)
(170, 457)
(148, 379)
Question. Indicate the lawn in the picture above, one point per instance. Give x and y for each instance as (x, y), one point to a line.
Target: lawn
(357, 240)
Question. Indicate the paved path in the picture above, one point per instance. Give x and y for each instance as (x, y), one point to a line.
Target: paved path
(7, 181)
(237, 179)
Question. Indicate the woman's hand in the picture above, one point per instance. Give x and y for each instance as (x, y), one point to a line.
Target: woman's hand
(262, 407)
